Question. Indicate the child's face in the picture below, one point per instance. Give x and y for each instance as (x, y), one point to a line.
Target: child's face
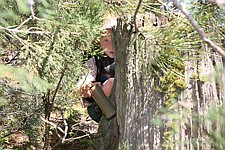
(106, 43)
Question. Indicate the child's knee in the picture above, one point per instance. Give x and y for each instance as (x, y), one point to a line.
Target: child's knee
(107, 86)
(109, 81)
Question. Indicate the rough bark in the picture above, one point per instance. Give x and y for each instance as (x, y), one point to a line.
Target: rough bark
(121, 36)
(139, 105)
(135, 100)
(109, 130)
(108, 136)
(200, 95)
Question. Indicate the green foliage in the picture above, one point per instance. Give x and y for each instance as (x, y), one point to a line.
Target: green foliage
(124, 145)
(211, 19)
(171, 42)
(215, 126)
(49, 44)
(152, 6)
(168, 61)
(23, 80)
(23, 6)
(19, 94)
(2, 148)
(121, 7)
(13, 11)
(45, 47)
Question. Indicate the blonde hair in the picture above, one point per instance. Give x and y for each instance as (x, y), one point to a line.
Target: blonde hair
(110, 21)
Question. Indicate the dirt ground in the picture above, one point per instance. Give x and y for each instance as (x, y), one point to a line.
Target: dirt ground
(79, 136)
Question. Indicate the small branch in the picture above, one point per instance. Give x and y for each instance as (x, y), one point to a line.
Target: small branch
(59, 142)
(52, 124)
(40, 31)
(57, 87)
(66, 128)
(64, 140)
(76, 138)
(199, 29)
(24, 22)
(16, 30)
(31, 3)
(135, 15)
(14, 57)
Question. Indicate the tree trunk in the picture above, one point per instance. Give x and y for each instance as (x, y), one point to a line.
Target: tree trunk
(139, 105)
(136, 102)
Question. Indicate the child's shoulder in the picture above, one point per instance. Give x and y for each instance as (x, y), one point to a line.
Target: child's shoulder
(91, 61)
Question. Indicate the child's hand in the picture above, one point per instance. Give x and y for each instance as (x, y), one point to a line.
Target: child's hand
(86, 90)
(97, 83)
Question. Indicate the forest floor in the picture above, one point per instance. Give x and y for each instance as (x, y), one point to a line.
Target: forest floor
(79, 135)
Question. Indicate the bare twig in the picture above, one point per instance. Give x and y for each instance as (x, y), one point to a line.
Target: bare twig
(14, 57)
(16, 30)
(57, 133)
(76, 138)
(49, 107)
(40, 31)
(59, 142)
(199, 29)
(135, 15)
(31, 3)
(24, 22)
(57, 87)
(52, 124)
(66, 128)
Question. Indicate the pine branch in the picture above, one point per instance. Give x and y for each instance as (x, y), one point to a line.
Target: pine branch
(199, 29)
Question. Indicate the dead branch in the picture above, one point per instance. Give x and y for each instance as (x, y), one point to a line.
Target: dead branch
(199, 29)
(66, 128)
(13, 58)
(58, 85)
(52, 124)
(31, 4)
(135, 15)
(76, 138)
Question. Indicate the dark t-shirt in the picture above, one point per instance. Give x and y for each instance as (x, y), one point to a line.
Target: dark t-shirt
(105, 70)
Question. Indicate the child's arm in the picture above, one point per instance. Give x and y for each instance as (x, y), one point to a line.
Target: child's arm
(85, 83)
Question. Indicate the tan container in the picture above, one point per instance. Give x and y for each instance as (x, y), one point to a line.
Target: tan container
(103, 102)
